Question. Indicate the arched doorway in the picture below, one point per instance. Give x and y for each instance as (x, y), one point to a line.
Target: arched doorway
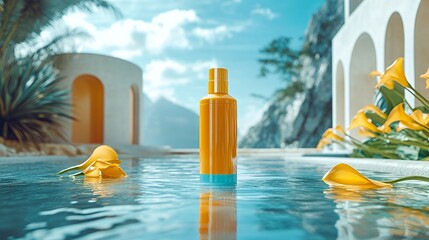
(339, 94)
(394, 40)
(421, 46)
(134, 110)
(354, 4)
(88, 110)
(363, 61)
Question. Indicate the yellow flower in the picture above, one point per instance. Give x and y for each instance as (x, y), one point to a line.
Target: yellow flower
(420, 117)
(375, 74)
(365, 133)
(323, 142)
(397, 114)
(374, 109)
(331, 135)
(426, 76)
(360, 120)
(343, 175)
(103, 162)
(415, 121)
(340, 129)
(394, 73)
(102, 169)
(103, 152)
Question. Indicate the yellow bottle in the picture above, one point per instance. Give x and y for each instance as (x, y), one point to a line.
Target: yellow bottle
(218, 131)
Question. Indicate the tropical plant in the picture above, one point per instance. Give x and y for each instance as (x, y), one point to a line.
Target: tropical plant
(398, 130)
(281, 59)
(33, 105)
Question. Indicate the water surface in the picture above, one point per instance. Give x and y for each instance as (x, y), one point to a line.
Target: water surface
(162, 199)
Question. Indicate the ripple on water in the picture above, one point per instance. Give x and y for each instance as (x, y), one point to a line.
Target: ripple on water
(162, 199)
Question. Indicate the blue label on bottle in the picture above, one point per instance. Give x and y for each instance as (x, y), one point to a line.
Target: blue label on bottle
(218, 179)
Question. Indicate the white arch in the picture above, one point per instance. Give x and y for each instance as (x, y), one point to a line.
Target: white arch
(353, 5)
(363, 61)
(339, 95)
(394, 39)
(134, 111)
(421, 46)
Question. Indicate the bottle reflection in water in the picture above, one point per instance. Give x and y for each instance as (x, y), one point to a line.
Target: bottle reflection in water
(218, 213)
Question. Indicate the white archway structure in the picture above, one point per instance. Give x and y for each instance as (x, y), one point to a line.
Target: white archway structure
(394, 40)
(421, 46)
(363, 61)
(338, 97)
(120, 114)
(398, 29)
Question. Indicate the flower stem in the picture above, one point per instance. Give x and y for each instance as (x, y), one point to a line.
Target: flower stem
(416, 94)
(417, 178)
(77, 174)
(77, 167)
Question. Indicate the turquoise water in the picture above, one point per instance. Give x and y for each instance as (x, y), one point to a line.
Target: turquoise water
(162, 199)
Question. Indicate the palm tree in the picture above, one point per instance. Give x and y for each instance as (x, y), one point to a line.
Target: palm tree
(33, 105)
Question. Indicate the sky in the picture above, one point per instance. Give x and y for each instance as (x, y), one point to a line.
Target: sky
(175, 42)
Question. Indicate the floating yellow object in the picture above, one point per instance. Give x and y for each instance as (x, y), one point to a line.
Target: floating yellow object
(105, 170)
(343, 175)
(103, 162)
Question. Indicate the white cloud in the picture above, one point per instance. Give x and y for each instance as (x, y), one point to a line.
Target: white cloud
(265, 12)
(161, 76)
(130, 38)
(216, 34)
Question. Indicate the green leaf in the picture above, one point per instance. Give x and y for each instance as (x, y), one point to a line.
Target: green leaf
(392, 97)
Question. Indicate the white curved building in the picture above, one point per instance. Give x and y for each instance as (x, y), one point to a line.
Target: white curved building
(374, 34)
(106, 98)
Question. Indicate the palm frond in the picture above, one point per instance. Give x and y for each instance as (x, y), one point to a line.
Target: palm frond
(33, 107)
(23, 20)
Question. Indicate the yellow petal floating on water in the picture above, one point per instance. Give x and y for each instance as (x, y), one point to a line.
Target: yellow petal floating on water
(394, 73)
(343, 175)
(103, 152)
(105, 169)
(103, 163)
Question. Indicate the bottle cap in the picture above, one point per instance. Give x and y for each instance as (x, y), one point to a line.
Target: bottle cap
(218, 80)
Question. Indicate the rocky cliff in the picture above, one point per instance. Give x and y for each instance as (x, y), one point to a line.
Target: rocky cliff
(300, 120)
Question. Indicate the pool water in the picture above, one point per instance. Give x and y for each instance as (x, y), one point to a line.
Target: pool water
(162, 199)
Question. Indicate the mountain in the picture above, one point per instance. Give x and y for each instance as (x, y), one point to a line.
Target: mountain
(301, 119)
(168, 124)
